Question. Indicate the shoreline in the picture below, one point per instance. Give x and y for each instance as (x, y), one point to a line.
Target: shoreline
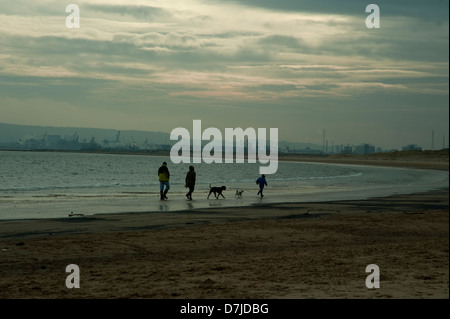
(165, 218)
(21, 229)
(315, 250)
(95, 208)
(311, 251)
(388, 162)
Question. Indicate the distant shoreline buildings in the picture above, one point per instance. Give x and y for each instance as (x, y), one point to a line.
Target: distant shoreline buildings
(56, 142)
(34, 138)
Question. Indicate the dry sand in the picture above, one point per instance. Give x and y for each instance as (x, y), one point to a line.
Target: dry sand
(308, 250)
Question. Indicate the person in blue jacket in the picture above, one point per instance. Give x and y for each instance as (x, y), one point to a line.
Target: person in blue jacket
(261, 182)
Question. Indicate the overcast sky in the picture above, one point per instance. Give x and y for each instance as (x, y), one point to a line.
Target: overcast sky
(301, 66)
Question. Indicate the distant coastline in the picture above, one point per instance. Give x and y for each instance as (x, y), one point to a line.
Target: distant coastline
(428, 159)
(118, 152)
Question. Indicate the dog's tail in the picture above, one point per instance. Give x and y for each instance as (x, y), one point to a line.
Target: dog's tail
(209, 185)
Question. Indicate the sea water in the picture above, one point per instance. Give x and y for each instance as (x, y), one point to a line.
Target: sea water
(56, 184)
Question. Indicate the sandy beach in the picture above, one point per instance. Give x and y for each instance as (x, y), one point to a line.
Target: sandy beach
(276, 251)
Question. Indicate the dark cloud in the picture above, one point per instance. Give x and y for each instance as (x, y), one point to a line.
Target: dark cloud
(282, 41)
(147, 13)
(431, 9)
(330, 71)
(58, 88)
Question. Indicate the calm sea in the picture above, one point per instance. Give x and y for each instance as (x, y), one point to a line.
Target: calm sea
(53, 184)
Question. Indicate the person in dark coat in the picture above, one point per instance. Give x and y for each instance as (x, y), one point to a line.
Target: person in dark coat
(190, 181)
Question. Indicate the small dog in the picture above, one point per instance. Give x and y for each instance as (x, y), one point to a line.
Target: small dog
(239, 193)
(217, 191)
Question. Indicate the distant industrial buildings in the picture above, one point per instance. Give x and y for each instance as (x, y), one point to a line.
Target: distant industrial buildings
(411, 147)
(56, 142)
(20, 137)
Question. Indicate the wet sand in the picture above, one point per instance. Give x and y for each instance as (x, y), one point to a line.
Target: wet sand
(277, 251)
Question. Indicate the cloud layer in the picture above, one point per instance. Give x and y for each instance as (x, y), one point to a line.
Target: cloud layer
(296, 65)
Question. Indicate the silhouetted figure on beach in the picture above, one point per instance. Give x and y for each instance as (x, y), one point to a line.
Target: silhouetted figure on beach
(190, 181)
(261, 182)
(164, 176)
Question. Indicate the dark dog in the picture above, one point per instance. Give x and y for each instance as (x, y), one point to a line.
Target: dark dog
(217, 191)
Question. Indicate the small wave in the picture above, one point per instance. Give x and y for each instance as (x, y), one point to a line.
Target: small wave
(72, 187)
(316, 177)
